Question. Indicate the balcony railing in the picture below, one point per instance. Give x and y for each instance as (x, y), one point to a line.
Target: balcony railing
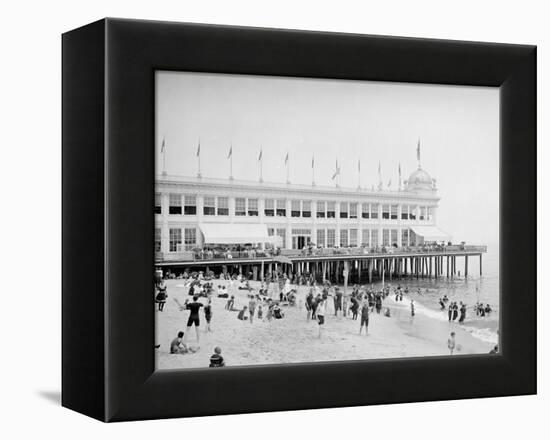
(219, 255)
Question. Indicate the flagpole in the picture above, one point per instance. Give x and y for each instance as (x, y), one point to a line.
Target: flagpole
(359, 174)
(163, 156)
(313, 170)
(261, 164)
(199, 175)
(231, 162)
(287, 160)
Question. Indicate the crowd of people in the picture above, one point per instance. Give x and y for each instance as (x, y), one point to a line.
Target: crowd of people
(267, 302)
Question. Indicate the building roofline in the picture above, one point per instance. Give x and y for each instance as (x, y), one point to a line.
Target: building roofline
(297, 188)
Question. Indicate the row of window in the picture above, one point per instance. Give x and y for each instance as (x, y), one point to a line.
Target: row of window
(187, 205)
(181, 239)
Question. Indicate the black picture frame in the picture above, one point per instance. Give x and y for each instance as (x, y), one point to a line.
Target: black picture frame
(108, 194)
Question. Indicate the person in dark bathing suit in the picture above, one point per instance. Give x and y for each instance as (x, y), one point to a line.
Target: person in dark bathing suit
(194, 318)
(208, 315)
(462, 313)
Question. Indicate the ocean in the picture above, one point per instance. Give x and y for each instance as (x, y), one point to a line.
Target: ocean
(485, 289)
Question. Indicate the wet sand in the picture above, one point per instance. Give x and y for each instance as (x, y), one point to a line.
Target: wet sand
(293, 339)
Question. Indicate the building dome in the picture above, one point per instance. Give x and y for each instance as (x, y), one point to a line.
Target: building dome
(420, 180)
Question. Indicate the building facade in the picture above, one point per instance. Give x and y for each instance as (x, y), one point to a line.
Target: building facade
(298, 214)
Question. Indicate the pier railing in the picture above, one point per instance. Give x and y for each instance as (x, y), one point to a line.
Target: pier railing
(227, 256)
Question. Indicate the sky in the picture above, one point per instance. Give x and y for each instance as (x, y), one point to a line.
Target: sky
(339, 120)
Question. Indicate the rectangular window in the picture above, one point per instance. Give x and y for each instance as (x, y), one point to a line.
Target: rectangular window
(158, 208)
(331, 210)
(269, 209)
(374, 210)
(344, 238)
(353, 237)
(321, 237)
(223, 206)
(174, 205)
(365, 210)
(240, 206)
(253, 207)
(321, 209)
(190, 238)
(404, 237)
(386, 211)
(331, 237)
(209, 207)
(157, 240)
(190, 207)
(353, 210)
(394, 237)
(385, 237)
(281, 208)
(430, 213)
(281, 232)
(343, 210)
(175, 239)
(422, 213)
(306, 208)
(295, 210)
(404, 212)
(366, 237)
(374, 242)
(393, 214)
(271, 232)
(412, 238)
(412, 212)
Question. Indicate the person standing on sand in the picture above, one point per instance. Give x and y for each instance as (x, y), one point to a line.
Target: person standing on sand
(364, 317)
(194, 318)
(252, 308)
(462, 313)
(208, 315)
(412, 307)
(450, 312)
(451, 342)
(321, 309)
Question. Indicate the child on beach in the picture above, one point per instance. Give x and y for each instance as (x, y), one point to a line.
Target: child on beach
(364, 317)
(451, 342)
(177, 346)
(216, 360)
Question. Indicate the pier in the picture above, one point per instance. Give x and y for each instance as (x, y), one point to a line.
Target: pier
(337, 265)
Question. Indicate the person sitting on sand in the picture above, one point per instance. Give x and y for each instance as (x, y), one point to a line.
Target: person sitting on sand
(242, 314)
(387, 313)
(488, 309)
(230, 303)
(494, 350)
(451, 342)
(177, 346)
(277, 312)
(216, 360)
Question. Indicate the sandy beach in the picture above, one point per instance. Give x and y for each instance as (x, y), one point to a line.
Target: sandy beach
(293, 339)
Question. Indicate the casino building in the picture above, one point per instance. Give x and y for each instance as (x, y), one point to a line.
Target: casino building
(191, 212)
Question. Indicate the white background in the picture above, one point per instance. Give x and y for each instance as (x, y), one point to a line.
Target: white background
(31, 221)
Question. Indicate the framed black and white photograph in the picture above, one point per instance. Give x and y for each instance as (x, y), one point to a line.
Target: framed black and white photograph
(275, 218)
(297, 220)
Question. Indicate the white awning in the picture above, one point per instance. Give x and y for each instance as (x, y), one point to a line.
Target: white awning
(431, 233)
(234, 233)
